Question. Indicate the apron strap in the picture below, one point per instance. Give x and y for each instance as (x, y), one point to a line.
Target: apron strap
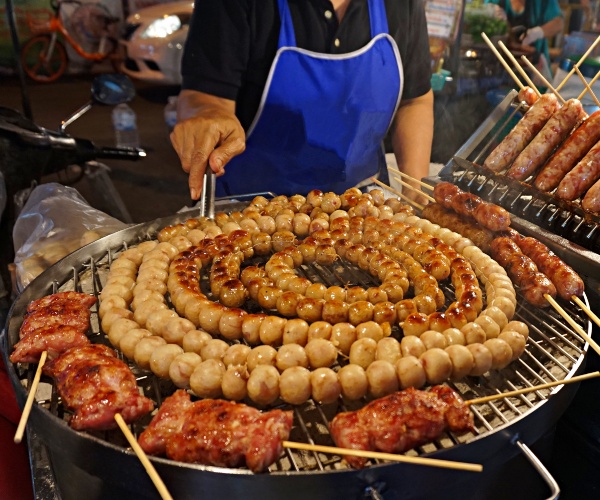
(287, 37)
(377, 17)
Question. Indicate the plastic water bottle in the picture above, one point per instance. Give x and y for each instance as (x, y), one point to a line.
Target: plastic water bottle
(125, 125)
(171, 113)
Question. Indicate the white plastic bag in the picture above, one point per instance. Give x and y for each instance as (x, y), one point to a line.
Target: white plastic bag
(55, 221)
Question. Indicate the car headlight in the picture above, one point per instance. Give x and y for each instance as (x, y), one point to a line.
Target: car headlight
(162, 28)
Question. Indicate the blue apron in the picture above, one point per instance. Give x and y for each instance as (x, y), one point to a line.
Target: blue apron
(322, 117)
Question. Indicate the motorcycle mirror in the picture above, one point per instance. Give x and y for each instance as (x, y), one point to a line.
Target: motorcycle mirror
(112, 89)
(109, 89)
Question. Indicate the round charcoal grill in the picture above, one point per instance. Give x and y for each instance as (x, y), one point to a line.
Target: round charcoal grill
(100, 465)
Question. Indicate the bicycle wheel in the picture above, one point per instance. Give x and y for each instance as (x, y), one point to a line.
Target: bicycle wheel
(38, 64)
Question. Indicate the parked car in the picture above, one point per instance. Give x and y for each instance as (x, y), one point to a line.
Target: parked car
(153, 42)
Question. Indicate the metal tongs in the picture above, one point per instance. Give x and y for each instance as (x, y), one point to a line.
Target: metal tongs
(207, 200)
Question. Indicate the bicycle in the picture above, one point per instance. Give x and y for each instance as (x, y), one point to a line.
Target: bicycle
(44, 56)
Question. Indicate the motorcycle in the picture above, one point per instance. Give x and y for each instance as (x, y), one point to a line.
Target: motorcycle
(28, 152)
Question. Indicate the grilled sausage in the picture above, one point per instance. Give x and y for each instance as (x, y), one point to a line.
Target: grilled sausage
(465, 203)
(522, 270)
(552, 134)
(591, 200)
(522, 133)
(444, 193)
(565, 279)
(491, 216)
(527, 95)
(569, 153)
(582, 177)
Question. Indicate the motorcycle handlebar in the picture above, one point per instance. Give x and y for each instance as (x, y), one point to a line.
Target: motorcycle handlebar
(120, 153)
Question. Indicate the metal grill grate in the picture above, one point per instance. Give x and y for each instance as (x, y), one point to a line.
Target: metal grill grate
(553, 353)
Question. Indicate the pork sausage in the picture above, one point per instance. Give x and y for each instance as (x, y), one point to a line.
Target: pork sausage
(569, 153)
(556, 129)
(582, 177)
(522, 133)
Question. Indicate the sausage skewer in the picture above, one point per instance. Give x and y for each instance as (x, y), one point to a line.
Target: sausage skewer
(591, 200)
(578, 63)
(528, 94)
(552, 134)
(522, 133)
(378, 455)
(587, 310)
(543, 79)
(490, 216)
(29, 403)
(581, 177)
(534, 285)
(587, 86)
(569, 153)
(156, 479)
(398, 193)
(575, 326)
(526, 390)
(567, 282)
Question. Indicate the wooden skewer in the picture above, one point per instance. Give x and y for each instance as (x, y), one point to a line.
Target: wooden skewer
(158, 482)
(579, 63)
(543, 78)
(592, 81)
(30, 398)
(519, 67)
(575, 326)
(586, 309)
(397, 193)
(424, 184)
(502, 61)
(448, 464)
(587, 87)
(409, 186)
(511, 394)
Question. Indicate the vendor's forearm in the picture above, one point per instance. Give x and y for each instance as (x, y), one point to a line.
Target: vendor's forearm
(192, 103)
(412, 135)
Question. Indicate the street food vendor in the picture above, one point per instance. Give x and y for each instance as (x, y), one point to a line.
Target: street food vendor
(293, 95)
(542, 19)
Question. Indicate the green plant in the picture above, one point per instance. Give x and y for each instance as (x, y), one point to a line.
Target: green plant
(480, 23)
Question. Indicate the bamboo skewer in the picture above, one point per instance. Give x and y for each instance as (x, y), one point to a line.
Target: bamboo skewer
(519, 67)
(409, 186)
(434, 462)
(158, 482)
(385, 456)
(543, 78)
(424, 184)
(592, 81)
(502, 61)
(586, 309)
(511, 394)
(587, 87)
(575, 326)
(30, 398)
(579, 63)
(397, 193)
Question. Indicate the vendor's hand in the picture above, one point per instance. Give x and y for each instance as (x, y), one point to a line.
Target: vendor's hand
(211, 137)
(533, 35)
